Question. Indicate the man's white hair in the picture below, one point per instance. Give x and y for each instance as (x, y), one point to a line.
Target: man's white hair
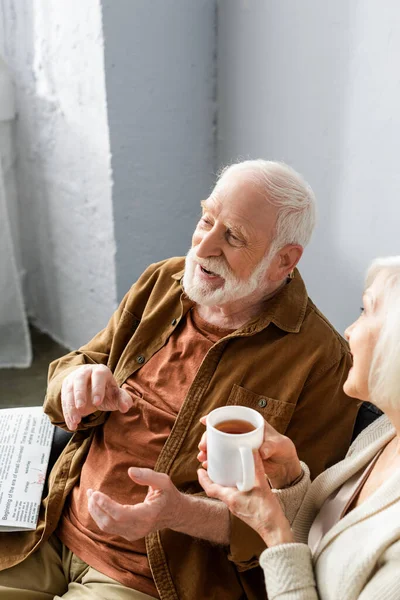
(283, 187)
(384, 375)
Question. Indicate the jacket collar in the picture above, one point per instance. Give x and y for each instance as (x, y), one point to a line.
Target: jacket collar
(286, 309)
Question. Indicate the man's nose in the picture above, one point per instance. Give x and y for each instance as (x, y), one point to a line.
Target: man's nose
(210, 245)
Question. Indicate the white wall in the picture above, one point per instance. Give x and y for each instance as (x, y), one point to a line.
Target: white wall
(55, 52)
(15, 347)
(317, 84)
(160, 77)
(8, 155)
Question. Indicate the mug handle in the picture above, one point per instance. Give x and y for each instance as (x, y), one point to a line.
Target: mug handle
(248, 470)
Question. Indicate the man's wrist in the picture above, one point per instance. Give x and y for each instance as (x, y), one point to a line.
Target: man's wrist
(178, 517)
(201, 517)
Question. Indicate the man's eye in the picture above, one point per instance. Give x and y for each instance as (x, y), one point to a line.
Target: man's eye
(234, 240)
(205, 222)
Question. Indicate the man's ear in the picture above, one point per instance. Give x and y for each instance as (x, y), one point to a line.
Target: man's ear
(285, 261)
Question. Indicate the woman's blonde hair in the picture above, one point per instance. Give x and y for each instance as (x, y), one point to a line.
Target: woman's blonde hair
(384, 375)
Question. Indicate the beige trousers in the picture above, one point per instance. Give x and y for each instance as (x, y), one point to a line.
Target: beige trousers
(54, 572)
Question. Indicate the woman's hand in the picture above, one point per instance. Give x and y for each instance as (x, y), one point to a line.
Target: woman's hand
(258, 508)
(281, 463)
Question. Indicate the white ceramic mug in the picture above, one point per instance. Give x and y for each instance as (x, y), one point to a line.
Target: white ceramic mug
(230, 455)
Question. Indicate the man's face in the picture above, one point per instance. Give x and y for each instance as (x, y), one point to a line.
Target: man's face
(229, 257)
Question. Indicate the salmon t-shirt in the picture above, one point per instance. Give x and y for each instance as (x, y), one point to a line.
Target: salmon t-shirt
(135, 438)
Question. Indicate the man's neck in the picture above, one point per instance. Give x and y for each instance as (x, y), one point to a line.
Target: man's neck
(234, 315)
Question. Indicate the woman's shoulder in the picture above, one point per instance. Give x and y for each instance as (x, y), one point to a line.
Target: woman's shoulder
(380, 428)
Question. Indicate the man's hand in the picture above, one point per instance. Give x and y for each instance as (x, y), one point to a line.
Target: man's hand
(281, 463)
(164, 507)
(91, 388)
(259, 508)
(160, 509)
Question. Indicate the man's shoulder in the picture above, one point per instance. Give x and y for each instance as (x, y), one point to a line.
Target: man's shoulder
(159, 282)
(159, 278)
(168, 269)
(168, 266)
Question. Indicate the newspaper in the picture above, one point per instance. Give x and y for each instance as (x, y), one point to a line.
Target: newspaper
(26, 435)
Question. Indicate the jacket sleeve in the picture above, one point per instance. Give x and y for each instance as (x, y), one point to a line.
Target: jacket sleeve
(245, 544)
(288, 572)
(97, 351)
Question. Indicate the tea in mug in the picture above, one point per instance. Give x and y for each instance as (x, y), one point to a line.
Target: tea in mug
(235, 426)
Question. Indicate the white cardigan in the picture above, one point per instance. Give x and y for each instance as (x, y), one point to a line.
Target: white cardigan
(359, 558)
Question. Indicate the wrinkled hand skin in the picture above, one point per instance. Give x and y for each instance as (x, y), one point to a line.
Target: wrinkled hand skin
(258, 508)
(88, 389)
(159, 510)
(280, 460)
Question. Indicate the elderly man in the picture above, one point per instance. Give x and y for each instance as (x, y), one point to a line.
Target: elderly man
(231, 325)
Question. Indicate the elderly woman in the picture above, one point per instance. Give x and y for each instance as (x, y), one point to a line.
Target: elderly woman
(337, 538)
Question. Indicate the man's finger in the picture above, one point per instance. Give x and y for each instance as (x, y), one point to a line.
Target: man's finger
(125, 401)
(70, 412)
(100, 376)
(117, 519)
(111, 508)
(80, 384)
(103, 520)
(159, 481)
(203, 420)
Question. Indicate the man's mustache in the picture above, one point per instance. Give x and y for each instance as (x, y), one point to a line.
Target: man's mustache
(216, 265)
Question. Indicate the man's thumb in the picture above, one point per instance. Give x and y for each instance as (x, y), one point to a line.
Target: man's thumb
(148, 477)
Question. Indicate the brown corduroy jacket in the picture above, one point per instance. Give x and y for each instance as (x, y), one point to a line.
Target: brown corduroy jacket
(289, 364)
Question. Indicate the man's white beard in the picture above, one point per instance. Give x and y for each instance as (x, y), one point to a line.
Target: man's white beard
(204, 293)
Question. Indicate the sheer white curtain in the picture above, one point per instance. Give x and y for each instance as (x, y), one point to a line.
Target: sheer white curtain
(15, 346)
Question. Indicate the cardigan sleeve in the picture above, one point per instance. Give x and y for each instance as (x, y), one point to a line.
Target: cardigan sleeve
(288, 572)
(292, 497)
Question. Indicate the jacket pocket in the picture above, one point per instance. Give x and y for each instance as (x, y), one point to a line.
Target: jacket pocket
(276, 412)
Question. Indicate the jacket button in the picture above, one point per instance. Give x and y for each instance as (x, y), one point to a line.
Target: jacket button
(140, 359)
(262, 403)
(173, 322)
